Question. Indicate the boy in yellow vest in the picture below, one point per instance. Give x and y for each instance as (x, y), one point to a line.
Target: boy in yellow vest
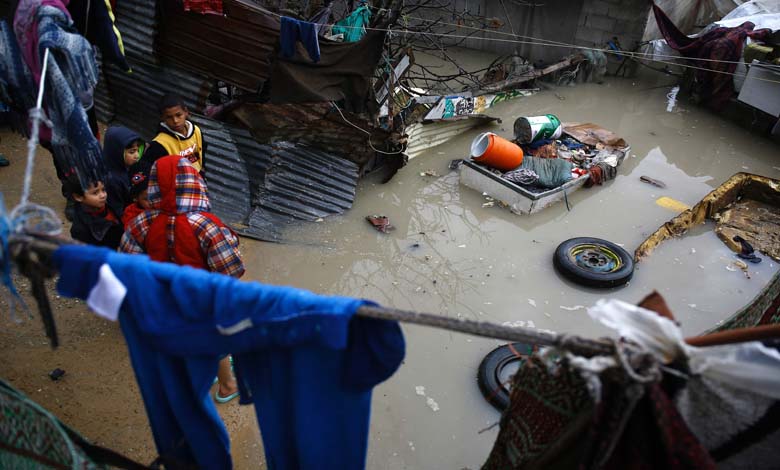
(177, 135)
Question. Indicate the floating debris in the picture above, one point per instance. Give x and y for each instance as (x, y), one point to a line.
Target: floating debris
(420, 390)
(455, 164)
(489, 204)
(432, 404)
(532, 302)
(571, 309)
(653, 181)
(672, 204)
(380, 222)
(429, 173)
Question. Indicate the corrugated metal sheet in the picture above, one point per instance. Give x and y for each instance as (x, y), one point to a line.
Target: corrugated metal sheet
(422, 137)
(136, 94)
(236, 48)
(260, 188)
(104, 104)
(317, 124)
(137, 23)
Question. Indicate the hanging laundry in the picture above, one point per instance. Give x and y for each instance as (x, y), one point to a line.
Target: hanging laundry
(720, 49)
(343, 74)
(305, 361)
(95, 20)
(204, 7)
(321, 19)
(354, 26)
(16, 81)
(294, 31)
(70, 81)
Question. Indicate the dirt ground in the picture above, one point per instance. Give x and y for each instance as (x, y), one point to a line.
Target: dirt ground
(98, 395)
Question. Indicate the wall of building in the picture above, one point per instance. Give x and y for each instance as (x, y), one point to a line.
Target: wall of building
(589, 23)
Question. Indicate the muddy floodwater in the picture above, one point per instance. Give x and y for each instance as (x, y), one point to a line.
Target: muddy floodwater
(451, 256)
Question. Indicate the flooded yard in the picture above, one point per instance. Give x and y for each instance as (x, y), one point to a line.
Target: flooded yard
(452, 256)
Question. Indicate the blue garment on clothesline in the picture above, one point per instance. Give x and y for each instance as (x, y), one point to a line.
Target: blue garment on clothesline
(292, 31)
(305, 361)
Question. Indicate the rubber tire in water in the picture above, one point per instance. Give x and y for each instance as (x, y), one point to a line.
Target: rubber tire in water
(488, 376)
(567, 266)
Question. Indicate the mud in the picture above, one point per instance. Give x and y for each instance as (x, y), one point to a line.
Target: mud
(448, 255)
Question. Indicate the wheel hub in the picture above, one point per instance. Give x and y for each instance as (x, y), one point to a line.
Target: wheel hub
(595, 258)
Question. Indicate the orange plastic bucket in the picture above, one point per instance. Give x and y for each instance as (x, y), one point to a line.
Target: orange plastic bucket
(496, 152)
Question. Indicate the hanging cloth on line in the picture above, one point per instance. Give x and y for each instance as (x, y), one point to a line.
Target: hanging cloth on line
(69, 84)
(354, 26)
(304, 360)
(294, 31)
(95, 21)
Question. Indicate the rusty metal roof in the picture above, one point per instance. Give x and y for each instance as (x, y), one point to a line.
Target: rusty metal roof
(261, 188)
(236, 48)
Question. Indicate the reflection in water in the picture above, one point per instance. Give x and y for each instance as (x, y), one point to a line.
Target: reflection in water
(490, 264)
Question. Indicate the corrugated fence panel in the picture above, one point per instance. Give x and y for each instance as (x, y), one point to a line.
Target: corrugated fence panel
(136, 95)
(261, 188)
(226, 174)
(136, 21)
(236, 48)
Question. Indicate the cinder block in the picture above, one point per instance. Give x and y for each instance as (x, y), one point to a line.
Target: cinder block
(597, 7)
(600, 22)
(589, 37)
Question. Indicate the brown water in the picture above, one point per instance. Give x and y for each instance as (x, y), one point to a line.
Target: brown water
(449, 255)
(452, 256)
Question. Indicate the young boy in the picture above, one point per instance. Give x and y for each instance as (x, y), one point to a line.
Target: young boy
(95, 219)
(139, 183)
(179, 228)
(122, 148)
(176, 134)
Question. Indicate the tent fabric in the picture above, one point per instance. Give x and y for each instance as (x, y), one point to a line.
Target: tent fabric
(343, 73)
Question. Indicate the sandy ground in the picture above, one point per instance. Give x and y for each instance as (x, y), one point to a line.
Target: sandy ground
(98, 395)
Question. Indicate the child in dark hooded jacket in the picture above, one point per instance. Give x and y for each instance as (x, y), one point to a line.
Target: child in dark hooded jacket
(122, 148)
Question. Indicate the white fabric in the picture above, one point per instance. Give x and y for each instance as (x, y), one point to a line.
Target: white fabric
(107, 294)
(747, 366)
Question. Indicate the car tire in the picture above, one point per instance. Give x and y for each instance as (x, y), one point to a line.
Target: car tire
(593, 262)
(489, 376)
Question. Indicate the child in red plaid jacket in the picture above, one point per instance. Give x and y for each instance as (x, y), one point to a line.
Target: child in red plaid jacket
(179, 228)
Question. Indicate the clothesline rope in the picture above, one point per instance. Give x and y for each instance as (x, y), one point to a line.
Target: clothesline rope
(36, 115)
(543, 42)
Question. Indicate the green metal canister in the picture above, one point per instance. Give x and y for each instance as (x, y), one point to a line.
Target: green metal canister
(535, 128)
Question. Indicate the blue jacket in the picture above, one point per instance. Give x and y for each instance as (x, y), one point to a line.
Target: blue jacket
(305, 361)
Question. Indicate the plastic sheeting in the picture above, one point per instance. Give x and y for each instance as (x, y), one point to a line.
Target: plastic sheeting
(689, 15)
(749, 366)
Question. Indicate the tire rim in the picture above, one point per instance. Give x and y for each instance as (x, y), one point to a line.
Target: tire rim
(595, 258)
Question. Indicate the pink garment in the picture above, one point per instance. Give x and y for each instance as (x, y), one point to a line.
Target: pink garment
(204, 7)
(26, 31)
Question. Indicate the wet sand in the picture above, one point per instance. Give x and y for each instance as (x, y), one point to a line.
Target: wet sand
(447, 255)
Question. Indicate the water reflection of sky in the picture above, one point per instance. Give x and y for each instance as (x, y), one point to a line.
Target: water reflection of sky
(450, 255)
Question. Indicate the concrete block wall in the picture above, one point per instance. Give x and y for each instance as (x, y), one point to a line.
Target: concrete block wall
(601, 20)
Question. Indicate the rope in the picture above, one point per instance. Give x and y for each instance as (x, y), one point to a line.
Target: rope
(363, 130)
(574, 344)
(36, 115)
(649, 57)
